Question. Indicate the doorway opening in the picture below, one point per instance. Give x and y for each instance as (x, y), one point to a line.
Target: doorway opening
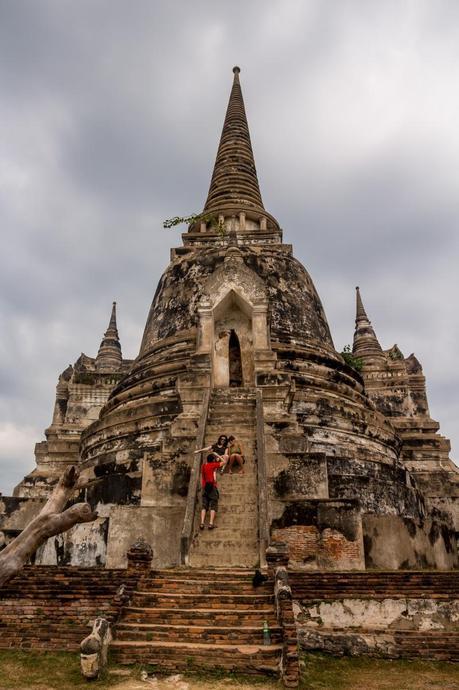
(235, 360)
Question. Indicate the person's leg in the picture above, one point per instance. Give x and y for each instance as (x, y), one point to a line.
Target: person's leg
(205, 508)
(238, 459)
(225, 460)
(213, 507)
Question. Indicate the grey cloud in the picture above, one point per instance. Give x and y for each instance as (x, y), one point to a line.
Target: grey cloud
(112, 113)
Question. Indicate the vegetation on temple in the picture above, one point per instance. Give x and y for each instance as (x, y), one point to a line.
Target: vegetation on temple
(216, 223)
(354, 362)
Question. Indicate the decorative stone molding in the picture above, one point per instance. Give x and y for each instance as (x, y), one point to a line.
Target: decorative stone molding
(140, 556)
(234, 298)
(277, 556)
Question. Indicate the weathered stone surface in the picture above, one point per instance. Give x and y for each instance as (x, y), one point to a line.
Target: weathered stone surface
(345, 471)
(388, 614)
(94, 649)
(354, 473)
(323, 534)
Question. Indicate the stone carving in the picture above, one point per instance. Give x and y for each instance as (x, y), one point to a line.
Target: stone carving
(140, 555)
(94, 649)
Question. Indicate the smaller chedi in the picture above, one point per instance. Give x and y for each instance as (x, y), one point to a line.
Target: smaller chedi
(344, 464)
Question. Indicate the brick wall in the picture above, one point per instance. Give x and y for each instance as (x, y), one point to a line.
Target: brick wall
(322, 534)
(51, 607)
(392, 614)
(311, 548)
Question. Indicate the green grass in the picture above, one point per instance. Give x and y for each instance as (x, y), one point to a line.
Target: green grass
(54, 670)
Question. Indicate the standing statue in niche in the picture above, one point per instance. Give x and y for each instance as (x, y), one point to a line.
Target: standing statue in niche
(235, 360)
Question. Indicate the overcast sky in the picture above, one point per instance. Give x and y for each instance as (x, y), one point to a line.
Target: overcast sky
(110, 115)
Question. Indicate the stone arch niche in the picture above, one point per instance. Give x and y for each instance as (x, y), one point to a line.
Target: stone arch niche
(233, 322)
(232, 351)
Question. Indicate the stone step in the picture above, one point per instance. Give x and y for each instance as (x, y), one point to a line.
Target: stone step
(197, 633)
(200, 616)
(222, 558)
(222, 533)
(196, 600)
(210, 539)
(232, 414)
(236, 482)
(219, 553)
(242, 574)
(226, 425)
(230, 489)
(238, 548)
(234, 529)
(235, 539)
(234, 509)
(245, 436)
(258, 659)
(233, 522)
(231, 419)
(250, 472)
(205, 586)
(232, 402)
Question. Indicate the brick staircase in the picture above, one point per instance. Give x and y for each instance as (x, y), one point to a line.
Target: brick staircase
(234, 542)
(182, 618)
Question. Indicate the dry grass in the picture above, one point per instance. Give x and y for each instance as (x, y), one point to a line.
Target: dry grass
(327, 673)
(22, 670)
(59, 671)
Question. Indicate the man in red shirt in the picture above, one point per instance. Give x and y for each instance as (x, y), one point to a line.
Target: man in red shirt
(210, 493)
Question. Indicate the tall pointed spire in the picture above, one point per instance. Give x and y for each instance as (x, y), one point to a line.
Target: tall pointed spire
(234, 185)
(109, 357)
(366, 344)
(361, 314)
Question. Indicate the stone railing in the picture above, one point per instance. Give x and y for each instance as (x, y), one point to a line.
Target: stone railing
(190, 510)
(277, 559)
(94, 648)
(263, 531)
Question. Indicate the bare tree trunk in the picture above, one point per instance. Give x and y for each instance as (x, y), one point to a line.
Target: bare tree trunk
(51, 520)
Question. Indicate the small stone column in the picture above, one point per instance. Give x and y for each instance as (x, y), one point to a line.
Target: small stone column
(260, 326)
(139, 557)
(277, 556)
(206, 327)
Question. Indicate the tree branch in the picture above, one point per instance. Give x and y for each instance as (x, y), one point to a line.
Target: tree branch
(51, 520)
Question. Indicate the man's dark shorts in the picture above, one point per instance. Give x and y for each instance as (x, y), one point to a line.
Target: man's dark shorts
(210, 499)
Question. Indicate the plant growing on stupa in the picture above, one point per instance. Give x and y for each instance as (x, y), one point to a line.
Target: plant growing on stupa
(216, 223)
(352, 361)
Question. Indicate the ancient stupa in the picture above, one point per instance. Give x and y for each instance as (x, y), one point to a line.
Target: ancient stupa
(343, 462)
